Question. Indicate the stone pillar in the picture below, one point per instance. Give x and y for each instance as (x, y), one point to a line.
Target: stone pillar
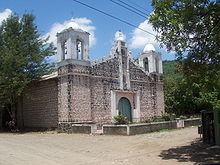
(114, 111)
(128, 74)
(63, 104)
(141, 62)
(69, 48)
(151, 63)
(137, 111)
(86, 49)
(160, 66)
(59, 51)
(120, 72)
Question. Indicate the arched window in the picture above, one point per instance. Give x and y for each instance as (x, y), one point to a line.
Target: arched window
(64, 49)
(122, 51)
(146, 65)
(79, 49)
(157, 65)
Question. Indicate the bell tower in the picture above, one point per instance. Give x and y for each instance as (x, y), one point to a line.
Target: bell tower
(120, 49)
(151, 60)
(74, 76)
(73, 47)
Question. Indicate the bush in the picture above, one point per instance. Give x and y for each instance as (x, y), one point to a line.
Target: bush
(147, 121)
(183, 117)
(168, 117)
(11, 125)
(159, 120)
(120, 119)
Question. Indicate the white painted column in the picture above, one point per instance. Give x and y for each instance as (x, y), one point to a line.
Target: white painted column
(160, 65)
(128, 74)
(141, 62)
(74, 50)
(69, 48)
(120, 72)
(86, 49)
(137, 112)
(113, 105)
(152, 66)
(59, 51)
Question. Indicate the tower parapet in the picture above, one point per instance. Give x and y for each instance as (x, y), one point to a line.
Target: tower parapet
(151, 60)
(73, 47)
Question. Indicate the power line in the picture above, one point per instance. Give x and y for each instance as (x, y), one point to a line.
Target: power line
(140, 7)
(133, 7)
(100, 11)
(129, 9)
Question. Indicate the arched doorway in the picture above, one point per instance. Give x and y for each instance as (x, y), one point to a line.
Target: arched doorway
(124, 107)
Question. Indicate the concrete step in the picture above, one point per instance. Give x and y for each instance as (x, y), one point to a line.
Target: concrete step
(98, 132)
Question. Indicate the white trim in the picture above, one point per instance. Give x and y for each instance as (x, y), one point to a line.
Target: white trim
(133, 97)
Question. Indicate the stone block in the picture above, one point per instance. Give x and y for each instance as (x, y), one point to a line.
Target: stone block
(115, 129)
(69, 127)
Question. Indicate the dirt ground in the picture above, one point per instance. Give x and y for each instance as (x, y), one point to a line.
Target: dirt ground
(49, 148)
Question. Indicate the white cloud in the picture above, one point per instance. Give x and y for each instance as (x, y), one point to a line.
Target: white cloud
(76, 23)
(5, 14)
(140, 38)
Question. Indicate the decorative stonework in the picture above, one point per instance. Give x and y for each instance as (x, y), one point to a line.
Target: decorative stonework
(88, 92)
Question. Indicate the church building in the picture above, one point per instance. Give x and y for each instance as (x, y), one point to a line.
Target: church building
(85, 91)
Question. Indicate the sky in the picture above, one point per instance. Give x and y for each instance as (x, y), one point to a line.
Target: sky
(53, 16)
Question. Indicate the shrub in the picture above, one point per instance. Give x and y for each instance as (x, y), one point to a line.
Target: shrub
(183, 117)
(11, 125)
(168, 117)
(120, 119)
(159, 120)
(147, 121)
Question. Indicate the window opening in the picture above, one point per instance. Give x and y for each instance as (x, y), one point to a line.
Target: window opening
(146, 64)
(157, 65)
(79, 47)
(64, 47)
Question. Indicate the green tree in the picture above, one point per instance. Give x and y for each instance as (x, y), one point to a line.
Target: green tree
(191, 28)
(23, 58)
(171, 79)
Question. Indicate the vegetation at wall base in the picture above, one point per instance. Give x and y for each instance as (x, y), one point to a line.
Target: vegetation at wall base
(120, 119)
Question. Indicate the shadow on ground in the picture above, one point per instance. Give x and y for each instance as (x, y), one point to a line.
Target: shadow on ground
(196, 152)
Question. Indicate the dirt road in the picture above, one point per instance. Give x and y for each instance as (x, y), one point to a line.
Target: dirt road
(172, 147)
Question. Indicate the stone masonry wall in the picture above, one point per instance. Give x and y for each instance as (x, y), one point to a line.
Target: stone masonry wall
(81, 100)
(40, 105)
(101, 98)
(104, 79)
(160, 99)
(74, 101)
(151, 93)
(85, 92)
(109, 68)
(136, 73)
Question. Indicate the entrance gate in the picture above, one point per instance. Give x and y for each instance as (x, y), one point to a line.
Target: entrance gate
(124, 107)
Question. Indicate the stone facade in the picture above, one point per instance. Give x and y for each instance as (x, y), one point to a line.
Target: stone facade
(90, 92)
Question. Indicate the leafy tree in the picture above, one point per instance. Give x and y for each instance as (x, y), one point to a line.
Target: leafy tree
(171, 79)
(184, 97)
(191, 29)
(23, 58)
(189, 25)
